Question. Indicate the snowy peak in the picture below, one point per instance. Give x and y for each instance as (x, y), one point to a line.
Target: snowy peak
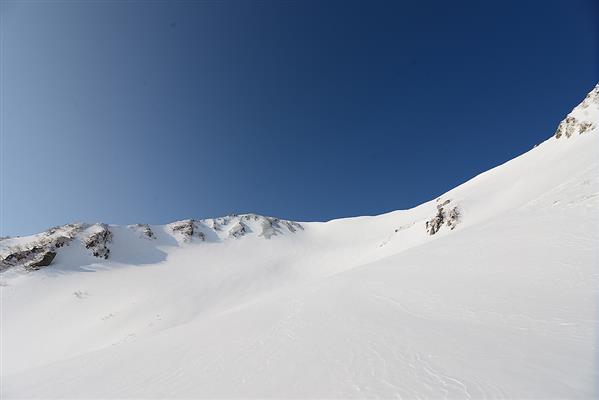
(583, 118)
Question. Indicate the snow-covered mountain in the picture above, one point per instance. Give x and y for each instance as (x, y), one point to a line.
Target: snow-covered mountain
(489, 291)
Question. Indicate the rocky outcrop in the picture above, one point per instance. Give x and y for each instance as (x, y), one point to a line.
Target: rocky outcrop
(97, 242)
(274, 226)
(61, 241)
(572, 126)
(43, 260)
(446, 215)
(238, 230)
(187, 229)
(235, 226)
(144, 230)
(31, 259)
(293, 226)
(583, 118)
(60, 236)
(250, 217)
(216, 223)
(39, 252)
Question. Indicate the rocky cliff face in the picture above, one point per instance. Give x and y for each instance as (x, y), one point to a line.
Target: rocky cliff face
(583, 118)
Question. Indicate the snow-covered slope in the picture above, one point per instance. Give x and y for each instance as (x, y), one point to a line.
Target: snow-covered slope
(489, 291)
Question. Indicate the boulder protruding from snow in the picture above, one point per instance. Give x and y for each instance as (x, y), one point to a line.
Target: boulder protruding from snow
(446, 215)
(31, 259)
(98, 239)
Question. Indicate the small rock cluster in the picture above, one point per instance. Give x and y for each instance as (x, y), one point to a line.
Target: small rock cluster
(583, 118)
(446, 215)
(238, 230)
(273, 227)
(187, 229)
(293, 226)
(144, 230)
(98, 241)
(270, 228)
(571, 126)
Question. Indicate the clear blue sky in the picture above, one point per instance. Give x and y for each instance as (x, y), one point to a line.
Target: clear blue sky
(157, 111)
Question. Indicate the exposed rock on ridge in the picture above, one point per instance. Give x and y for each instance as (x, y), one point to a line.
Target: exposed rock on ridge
(39, 250)
(31, 259)
(238, 230)
(144, 230)
(98, 241)
(188, 229)
(274, 226)
(583, 118)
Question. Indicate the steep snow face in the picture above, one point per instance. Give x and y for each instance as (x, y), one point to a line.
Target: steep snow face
(583, 118)
(500, 302)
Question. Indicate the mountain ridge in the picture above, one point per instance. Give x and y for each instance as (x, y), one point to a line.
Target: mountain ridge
(40, 252)
(434, 301)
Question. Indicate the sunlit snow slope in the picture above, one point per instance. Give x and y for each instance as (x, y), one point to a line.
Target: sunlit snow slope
(502, 306)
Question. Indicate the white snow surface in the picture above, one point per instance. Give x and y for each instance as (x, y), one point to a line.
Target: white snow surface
(502, 306)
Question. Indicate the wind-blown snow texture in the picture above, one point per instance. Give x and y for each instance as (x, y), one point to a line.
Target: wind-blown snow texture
(500, 301)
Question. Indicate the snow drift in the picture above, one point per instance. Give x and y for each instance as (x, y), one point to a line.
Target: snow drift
(489, 291)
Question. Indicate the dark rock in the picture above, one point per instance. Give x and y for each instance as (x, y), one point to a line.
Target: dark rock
(436, 222)
(188, 229)
(61, 241)
(45, 260)
(98, 242)
(238, 230)
(31, 259)
(144, 230)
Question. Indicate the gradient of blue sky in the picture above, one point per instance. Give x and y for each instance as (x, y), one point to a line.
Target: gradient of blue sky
(156, 111)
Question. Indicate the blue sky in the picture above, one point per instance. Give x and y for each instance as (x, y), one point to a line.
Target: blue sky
(157, 111)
